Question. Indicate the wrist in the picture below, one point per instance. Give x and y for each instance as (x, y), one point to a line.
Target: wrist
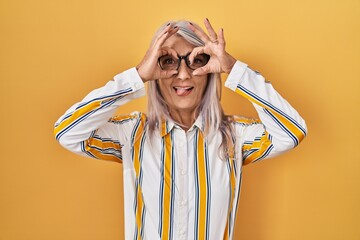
(231, 62)
(142, 76)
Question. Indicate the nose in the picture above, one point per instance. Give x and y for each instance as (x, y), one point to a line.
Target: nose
(183, 72)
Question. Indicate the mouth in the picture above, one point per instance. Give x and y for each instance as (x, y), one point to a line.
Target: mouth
(183, 91)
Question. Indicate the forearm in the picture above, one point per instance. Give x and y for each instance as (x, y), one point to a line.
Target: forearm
(286, 127)
(85, 117)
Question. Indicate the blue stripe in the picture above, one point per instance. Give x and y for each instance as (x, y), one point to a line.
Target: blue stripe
(64, 118)
(138, 180)
(161, 192)
(121, 121)
(249, 152)
(143, 222)
(283, 127)
(269, 105)
(103, 139)
(265, 154)
(143, 137)
(196, 188)
(172, 186)
(105, 150)
(83, 149)
(83, 104)
(121, 92)
(77, 121)
(133, 134)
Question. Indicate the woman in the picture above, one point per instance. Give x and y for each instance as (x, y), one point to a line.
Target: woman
(182, 161)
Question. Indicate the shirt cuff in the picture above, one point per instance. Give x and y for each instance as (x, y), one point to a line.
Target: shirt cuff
(132, 79)
(235, 75)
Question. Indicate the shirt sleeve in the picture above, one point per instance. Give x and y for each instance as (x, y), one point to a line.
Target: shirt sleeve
(88, 128)
(280, 127)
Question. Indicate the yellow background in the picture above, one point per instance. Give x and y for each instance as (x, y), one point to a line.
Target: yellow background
(53, 52)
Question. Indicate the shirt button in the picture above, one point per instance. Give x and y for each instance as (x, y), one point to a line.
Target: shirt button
(182, 203)
(183, 172)
(182, 232)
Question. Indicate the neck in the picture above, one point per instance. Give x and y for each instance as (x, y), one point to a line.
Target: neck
(185, 118)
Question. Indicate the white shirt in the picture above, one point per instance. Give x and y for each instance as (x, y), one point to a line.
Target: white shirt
(176, 186)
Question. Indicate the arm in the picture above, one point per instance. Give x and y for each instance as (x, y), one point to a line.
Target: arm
(281, 127)
(87, 127)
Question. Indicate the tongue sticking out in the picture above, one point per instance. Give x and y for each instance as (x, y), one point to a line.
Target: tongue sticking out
(183, 91)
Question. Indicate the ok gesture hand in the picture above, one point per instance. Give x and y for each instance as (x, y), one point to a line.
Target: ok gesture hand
(220, 61)
(148, 68)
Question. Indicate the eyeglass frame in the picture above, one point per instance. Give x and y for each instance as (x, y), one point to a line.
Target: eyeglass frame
(186, 62)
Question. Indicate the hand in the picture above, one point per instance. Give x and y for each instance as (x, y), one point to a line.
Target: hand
(220, 61)
(148, 68)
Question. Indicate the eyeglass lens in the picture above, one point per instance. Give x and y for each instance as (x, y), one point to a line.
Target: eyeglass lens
(169, 62)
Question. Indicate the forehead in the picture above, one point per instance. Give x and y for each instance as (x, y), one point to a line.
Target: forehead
(179, 44)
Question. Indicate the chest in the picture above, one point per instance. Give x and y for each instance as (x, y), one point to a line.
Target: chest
(185, 165)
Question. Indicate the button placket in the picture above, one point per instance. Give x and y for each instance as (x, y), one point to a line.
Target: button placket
(182, 162)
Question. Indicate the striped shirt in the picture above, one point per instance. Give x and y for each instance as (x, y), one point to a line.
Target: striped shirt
(176, 184)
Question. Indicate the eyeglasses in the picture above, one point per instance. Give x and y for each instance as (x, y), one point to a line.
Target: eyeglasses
(168, 62)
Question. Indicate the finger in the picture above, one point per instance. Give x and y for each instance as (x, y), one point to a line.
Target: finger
(202, 35)
(196, 51)
(210, 30)
(171, 31)
(168, 51)
(201, 71)
(164, 31)
(221, 37)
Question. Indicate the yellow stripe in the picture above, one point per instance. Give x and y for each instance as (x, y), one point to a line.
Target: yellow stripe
(245, 120)
(98, 154)
(232, 195)
(103, 144)
(202, 187)
(137, 167)
(167, 188)
(261, 145)
(288, 124)
(124, 117)
(91, 143)
(75, 115)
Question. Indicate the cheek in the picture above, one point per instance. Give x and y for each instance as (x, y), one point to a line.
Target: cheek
(203, 82)
(163, 88)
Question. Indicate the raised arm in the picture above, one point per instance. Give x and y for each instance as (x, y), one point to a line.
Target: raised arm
(280, 128)
(87, 128)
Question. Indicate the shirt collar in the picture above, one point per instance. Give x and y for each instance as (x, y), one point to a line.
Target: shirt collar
(168, 124)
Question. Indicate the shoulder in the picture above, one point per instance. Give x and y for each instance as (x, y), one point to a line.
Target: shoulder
(128, 118)
(243, 121)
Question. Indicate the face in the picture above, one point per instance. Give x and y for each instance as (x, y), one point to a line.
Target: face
(182, 92)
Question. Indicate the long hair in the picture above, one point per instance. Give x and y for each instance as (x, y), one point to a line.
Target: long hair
(210, 108)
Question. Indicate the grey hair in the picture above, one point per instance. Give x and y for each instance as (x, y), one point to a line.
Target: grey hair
(210, 107)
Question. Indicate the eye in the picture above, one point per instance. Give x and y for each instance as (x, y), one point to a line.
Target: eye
(200, 60)
(167, 60)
